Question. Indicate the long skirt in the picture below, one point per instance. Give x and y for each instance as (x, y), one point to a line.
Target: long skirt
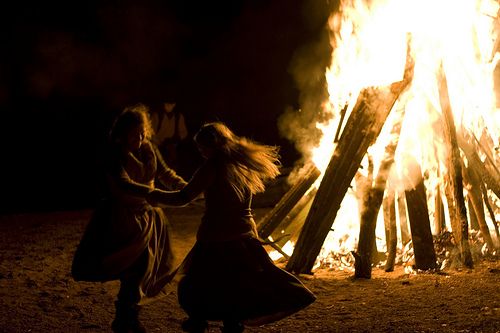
(128, 244)
(236, 280)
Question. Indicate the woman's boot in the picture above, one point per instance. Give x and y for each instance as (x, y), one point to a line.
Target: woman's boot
(127, 319)
(192, 325)
(232, 326)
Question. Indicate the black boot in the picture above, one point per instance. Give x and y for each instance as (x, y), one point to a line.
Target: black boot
(232, 326)
(193, 325)
(127, 319)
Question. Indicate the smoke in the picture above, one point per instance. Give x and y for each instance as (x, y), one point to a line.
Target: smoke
(308, 67)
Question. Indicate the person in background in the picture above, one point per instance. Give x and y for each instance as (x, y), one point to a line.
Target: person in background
(228, 276)
(127, 239)
(170, 131)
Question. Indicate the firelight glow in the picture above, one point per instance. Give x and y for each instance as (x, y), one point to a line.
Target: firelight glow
(369, 40)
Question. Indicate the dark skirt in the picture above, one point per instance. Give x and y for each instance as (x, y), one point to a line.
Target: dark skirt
(127, 244)
(236, 280)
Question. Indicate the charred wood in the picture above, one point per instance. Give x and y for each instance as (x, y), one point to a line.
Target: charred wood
(361, 130)
(487, 174)
(476, 200)
(439, 216)
(454, 167)
(490, 210)
(421, 235)
(372, 203)
(403, 220)
(474, 224)
(294, 221)
(391, 232)
(273, 218)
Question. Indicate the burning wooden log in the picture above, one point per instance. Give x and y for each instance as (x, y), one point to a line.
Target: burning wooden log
(439, 214)
(371, 205)
(391, 231)
(458, 211)
(291, 224)
(420, 225)
(474, 224)
(363, 188)
(294, 221)
(476, 200)
(403, 221)
(490, 210)
(439, 217)
(274, 217)
(485, 144)
(487, 176)
(361, 130)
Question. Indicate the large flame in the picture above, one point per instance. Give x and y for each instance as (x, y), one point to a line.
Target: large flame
(369, 40)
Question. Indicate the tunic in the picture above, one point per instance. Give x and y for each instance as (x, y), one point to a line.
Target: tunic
(125, 227)
(228, 273)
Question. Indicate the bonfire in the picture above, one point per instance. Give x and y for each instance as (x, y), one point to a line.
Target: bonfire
(407, 169)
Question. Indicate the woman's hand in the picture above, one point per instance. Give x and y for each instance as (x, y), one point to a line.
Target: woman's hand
(154, 197)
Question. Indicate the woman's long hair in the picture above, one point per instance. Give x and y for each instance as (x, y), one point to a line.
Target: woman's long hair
(248, 164)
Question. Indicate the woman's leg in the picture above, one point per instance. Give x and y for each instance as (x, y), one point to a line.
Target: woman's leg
(232, 326)
(127, 303)
(188, 295)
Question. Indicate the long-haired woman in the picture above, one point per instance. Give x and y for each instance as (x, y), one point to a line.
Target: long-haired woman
(228, 275)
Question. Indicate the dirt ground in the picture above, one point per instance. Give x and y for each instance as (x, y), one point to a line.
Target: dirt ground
(37, 293)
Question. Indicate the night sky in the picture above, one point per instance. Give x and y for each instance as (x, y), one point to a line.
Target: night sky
(68, 67)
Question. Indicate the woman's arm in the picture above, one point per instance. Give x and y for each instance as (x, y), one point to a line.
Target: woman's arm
(121, 181)
(168, 177)
(202, 178)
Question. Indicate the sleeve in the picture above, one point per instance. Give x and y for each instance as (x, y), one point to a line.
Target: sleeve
(121, 181)
(165, 175)
(202, 178)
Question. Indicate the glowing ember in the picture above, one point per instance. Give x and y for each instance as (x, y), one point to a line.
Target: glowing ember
(369, 40)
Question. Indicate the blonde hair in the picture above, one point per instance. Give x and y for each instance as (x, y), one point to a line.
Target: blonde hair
(248, 164)
(130, 117)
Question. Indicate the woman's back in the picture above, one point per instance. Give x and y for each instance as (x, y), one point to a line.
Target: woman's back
(227, 217)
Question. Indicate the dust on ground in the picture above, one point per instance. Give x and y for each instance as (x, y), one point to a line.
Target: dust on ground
(37, 293)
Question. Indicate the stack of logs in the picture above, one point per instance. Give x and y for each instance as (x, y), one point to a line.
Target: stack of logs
(313, 214)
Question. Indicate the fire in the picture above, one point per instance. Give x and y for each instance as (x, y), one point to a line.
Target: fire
(369, 40)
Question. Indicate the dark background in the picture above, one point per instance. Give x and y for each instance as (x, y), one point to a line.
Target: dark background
(68, 67)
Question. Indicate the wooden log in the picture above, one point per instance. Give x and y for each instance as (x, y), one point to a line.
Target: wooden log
(361, 130)
(418, 213)
(488, 175)
(474, 224)
(294, 221)
(485, 144)
(391, 228)
(387, 216)
(439, 216)
(454, 167)
(403, 221)
(439, 213)
(490, 210)
(341, 122)
(363, 187)
(372, 203)
(273, 218)
(476, 200)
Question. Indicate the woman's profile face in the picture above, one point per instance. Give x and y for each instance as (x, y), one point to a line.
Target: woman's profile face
(135, 137)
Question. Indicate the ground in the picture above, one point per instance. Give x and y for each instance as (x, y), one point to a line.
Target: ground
(37, 293)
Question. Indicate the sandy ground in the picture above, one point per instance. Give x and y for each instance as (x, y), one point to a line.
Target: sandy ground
(37, 293)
